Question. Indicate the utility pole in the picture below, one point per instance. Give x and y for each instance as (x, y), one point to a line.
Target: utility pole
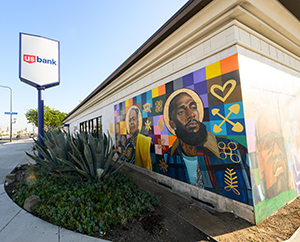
(10, 111)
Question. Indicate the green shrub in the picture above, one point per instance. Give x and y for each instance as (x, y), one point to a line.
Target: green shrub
(86, 206)
(85, 156)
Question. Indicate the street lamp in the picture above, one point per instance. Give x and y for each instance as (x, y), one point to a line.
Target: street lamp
(10, 111)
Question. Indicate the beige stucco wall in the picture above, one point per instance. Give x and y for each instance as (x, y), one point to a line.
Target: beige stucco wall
(271, 104)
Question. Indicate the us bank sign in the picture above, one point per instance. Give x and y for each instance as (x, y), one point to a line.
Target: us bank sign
(39, 61)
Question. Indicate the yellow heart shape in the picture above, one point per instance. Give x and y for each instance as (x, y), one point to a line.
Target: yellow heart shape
(222, 88)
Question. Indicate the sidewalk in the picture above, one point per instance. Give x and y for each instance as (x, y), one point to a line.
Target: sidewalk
(15, 223)
(295, 237)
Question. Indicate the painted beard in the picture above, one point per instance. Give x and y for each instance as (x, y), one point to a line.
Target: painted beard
(192, 138)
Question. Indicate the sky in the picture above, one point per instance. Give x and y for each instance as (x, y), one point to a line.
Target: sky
(95, 36)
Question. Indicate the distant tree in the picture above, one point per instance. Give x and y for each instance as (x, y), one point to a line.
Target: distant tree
(52, 117)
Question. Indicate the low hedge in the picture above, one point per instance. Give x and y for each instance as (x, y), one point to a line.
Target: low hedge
(88, 207)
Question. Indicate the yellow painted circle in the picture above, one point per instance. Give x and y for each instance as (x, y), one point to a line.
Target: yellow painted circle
(196, 98)
(127, 119)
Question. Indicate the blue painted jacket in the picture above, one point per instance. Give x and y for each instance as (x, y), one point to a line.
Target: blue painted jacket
(223, 168)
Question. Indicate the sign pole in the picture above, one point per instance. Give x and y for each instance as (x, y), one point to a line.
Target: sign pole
(10, 111)
(10, 115)
(41, 115)
(39, 67)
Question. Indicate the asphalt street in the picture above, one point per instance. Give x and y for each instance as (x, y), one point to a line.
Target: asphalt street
(6, 139)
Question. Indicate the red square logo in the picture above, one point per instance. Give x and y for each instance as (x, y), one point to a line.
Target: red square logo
(29, 58)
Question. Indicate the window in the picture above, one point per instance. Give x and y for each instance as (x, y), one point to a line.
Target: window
(92, 126)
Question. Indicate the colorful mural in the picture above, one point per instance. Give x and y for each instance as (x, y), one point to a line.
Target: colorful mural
(191, 129)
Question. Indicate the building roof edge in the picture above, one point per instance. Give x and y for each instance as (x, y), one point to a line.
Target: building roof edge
(186, 12)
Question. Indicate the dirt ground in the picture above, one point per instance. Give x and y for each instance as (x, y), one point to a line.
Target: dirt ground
(223, 226)
(178, 218)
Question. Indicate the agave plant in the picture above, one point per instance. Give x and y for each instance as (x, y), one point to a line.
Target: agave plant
(54, 148)
(84, 155)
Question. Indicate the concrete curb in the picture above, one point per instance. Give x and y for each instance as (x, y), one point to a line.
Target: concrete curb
(18, 225)
(295, 237)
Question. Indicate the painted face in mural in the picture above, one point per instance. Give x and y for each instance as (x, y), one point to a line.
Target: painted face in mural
(133, 121)
(123, 142)
(118, 140)
(271, 155)
(184, 119)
